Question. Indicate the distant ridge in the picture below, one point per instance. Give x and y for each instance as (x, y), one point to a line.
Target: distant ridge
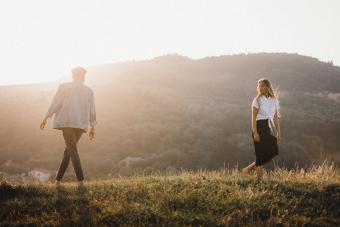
(173, 112)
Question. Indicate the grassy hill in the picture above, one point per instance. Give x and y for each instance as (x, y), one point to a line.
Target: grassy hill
(222, 197)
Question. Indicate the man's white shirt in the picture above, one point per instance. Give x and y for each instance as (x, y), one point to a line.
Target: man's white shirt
(73, 106)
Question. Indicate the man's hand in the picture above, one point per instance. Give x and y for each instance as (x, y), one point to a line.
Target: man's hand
(43, 123)
(91, 133)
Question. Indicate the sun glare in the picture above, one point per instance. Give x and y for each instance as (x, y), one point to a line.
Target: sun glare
(42, 40)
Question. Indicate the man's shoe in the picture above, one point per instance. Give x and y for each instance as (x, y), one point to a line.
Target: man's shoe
(54, 183)
(81, 185)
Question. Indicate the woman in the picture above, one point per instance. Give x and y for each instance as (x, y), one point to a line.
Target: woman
(265, 125)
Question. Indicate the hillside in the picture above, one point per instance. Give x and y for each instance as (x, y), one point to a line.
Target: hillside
(222, 197)
(174, 112)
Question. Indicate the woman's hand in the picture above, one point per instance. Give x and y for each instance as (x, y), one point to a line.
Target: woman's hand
(278, 137)
(256, 137)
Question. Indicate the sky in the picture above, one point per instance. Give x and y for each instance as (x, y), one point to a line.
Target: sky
(42, 40)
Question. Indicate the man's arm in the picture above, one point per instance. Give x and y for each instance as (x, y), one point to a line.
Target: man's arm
(57, 102)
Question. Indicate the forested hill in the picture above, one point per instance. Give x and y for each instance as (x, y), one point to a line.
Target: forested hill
(177, 112)
(292, 72)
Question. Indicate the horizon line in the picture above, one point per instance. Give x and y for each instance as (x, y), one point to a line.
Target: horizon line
(165, 55)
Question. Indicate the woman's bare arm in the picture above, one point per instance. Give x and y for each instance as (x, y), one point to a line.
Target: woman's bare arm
(253, 119)
(277, 122)
(254, 126)
(277, 125)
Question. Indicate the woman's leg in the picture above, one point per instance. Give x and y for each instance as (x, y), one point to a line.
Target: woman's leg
(250, 168)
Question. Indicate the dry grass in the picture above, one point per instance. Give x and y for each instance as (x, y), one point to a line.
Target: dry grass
(223, 197)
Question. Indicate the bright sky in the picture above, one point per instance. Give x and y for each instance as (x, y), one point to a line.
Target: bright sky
(41, 40)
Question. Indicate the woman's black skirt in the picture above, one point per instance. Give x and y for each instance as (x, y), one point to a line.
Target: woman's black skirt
(267, 147)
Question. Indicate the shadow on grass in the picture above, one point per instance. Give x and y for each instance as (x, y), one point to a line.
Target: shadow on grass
(35, 205)
(74, 207)
(297, 204)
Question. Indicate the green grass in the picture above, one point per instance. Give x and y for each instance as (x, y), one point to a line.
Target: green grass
(208, 198)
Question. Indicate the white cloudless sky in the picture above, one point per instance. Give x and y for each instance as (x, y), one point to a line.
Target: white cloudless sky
(41, 40)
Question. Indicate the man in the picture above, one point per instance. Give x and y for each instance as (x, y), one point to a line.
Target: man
(74, 109)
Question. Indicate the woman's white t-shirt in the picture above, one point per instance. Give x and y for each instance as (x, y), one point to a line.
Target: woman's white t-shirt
(268, 107)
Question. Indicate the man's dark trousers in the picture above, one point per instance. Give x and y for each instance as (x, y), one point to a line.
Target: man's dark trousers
(71, 137)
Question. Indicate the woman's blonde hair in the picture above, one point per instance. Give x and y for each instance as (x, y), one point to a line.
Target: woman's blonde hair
(269, 88)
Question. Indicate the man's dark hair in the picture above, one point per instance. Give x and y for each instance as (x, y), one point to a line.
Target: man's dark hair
(79, 72)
